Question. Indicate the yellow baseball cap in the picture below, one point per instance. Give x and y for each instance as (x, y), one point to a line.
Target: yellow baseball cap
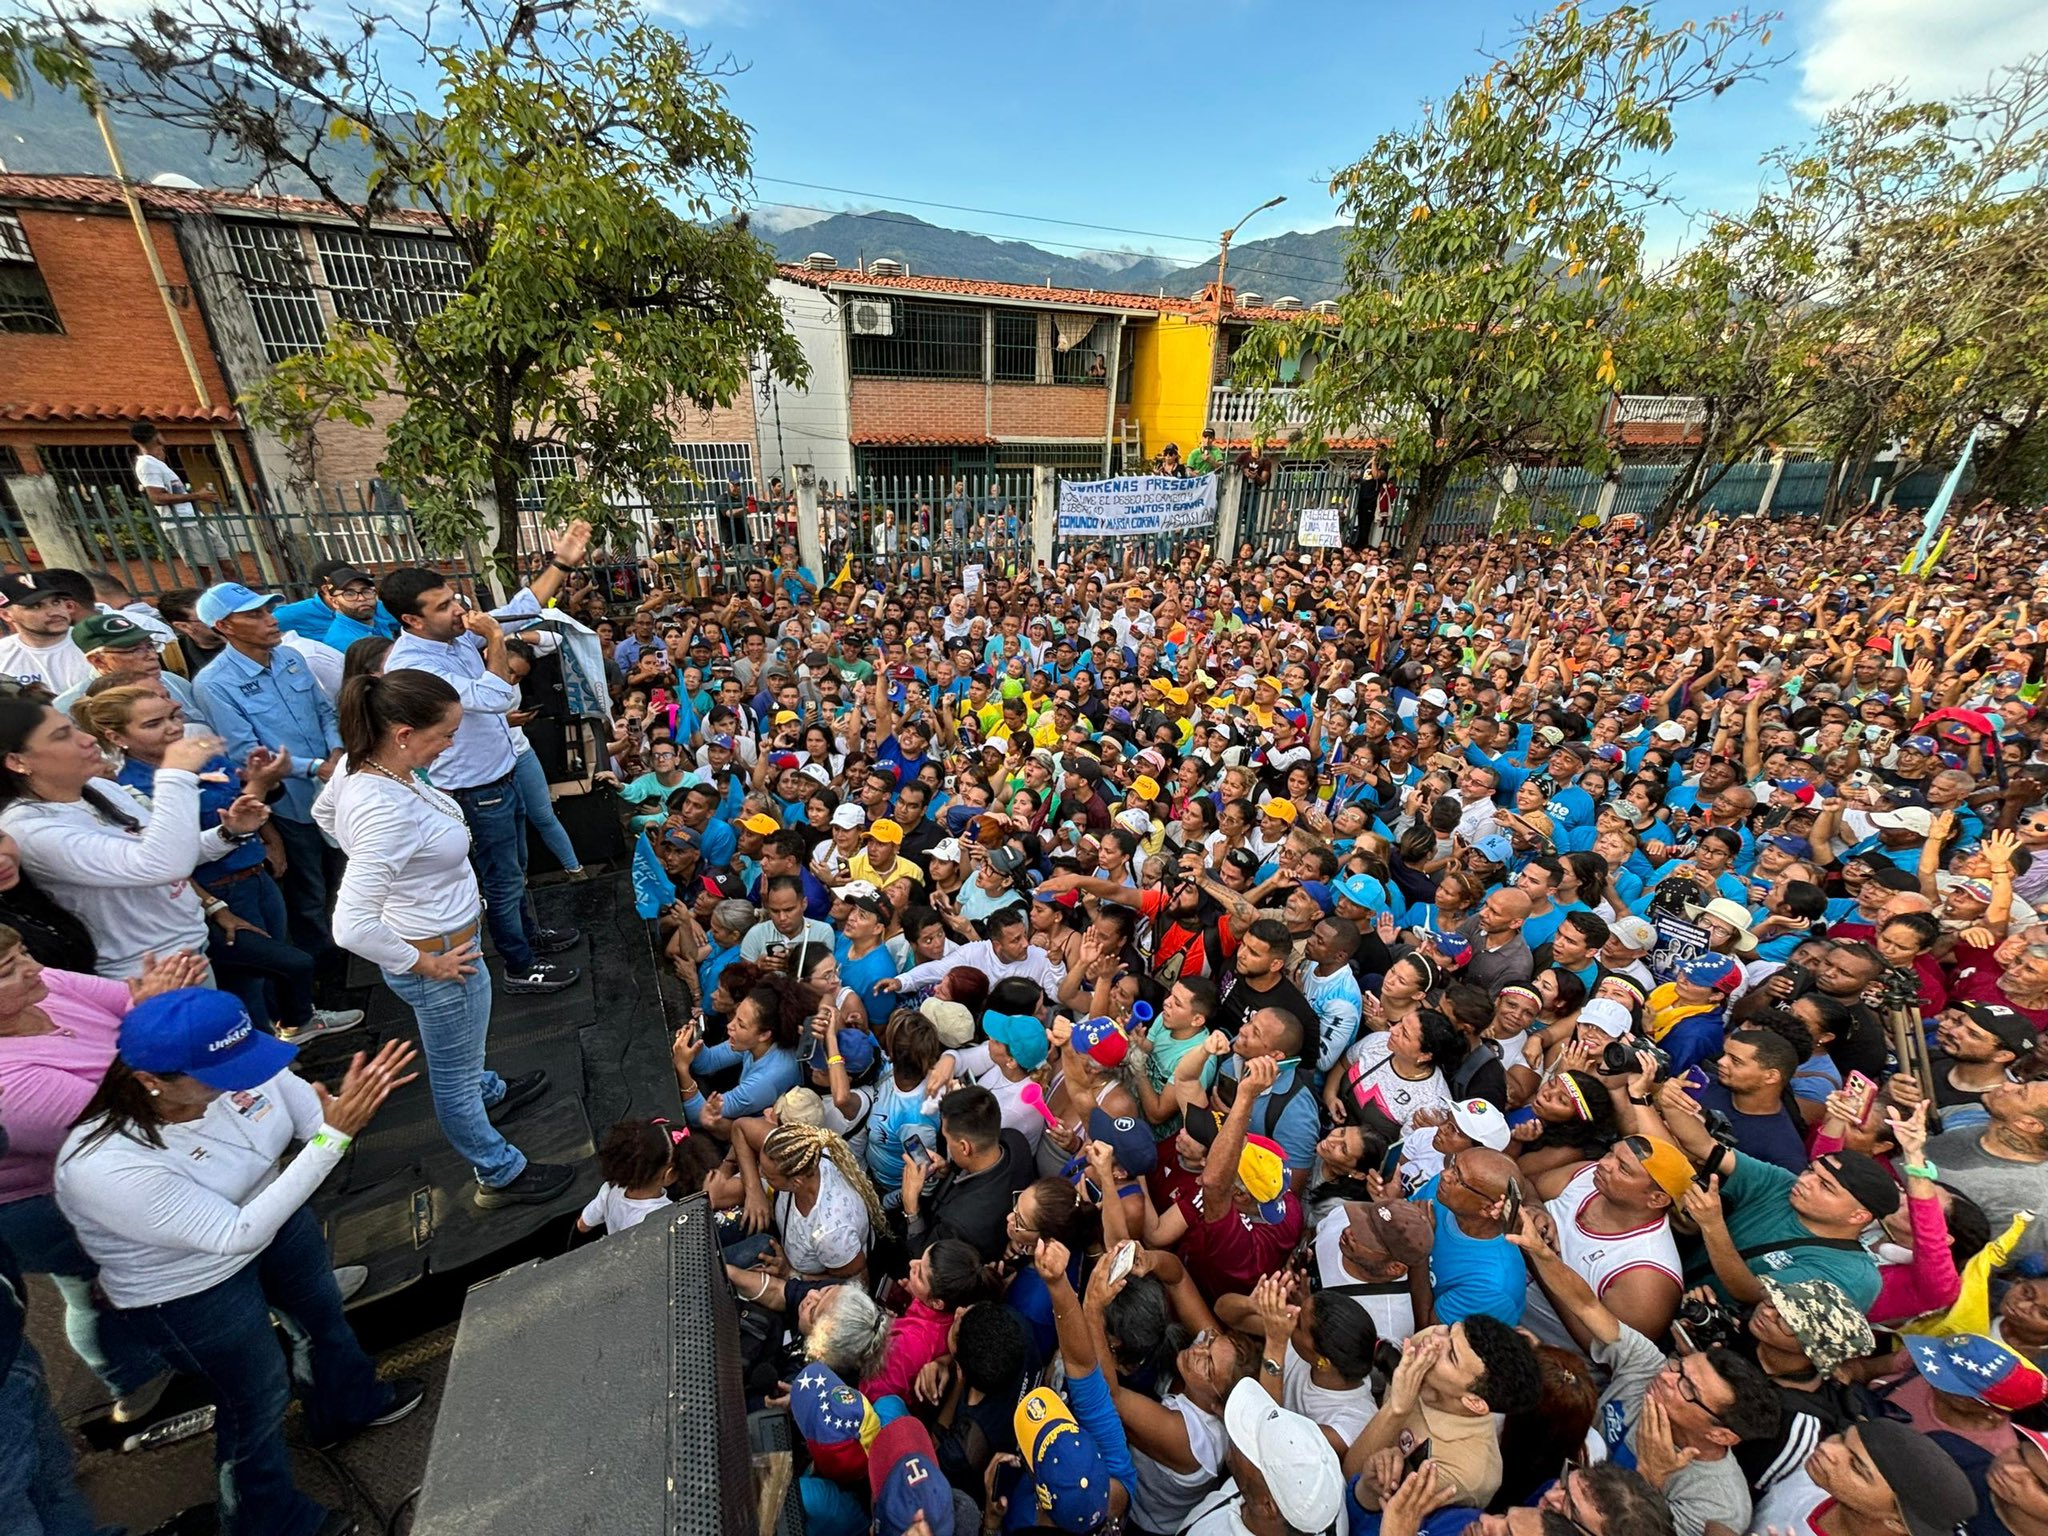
(760, 822)
(1145, 787)
(886, 831)
(1280, 810)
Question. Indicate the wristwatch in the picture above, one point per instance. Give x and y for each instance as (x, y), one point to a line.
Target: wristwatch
(1271, 1367)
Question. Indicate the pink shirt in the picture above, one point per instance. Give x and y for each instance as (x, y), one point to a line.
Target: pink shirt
(45, 1080)
(916, 1339)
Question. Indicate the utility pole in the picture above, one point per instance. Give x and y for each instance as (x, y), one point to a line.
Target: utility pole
(1223, 252)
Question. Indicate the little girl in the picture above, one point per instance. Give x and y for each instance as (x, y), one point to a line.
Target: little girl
(645, 1163)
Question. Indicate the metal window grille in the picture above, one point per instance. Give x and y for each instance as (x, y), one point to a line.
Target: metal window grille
(103, 466)
(407, 277)
(1075, 456)
(1016, 359)
(25, 304)
(926, 341)
(272, 266)
(1086, 364)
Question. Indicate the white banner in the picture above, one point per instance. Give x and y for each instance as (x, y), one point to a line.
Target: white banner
(1319, 528)
(1135, 504)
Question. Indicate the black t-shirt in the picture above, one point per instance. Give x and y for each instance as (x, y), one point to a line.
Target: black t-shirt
(1241, 1002)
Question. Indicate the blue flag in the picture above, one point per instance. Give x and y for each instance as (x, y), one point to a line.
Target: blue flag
(1938, 508)
(653, 891)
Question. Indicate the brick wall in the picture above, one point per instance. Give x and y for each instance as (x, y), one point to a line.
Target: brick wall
(948, 410)
(116, 348)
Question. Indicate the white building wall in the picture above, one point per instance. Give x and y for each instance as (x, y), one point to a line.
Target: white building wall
(810, 425)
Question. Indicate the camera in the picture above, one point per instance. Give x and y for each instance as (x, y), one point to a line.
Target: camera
(1703, 1325)
(1617, 1059)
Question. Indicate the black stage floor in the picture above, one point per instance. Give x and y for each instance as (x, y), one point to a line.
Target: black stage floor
(400, 1203)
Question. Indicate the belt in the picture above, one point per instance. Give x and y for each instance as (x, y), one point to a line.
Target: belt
(470, 789)
(235, 877)
(441, 944)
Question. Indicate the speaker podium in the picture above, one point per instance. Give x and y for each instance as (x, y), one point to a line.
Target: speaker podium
(599, 1392)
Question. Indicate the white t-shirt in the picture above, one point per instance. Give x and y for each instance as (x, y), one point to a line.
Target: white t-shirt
(973, 1061)
(1338, 1004)
(152, 473)
(1347, 1410)
(834, 1233)
(1788, 1505)
(408, 873)
(1601, 1258)
(1387, 1301)
(1372, 1059)
(62, 666)
(1164, 1498)
(615, 1210)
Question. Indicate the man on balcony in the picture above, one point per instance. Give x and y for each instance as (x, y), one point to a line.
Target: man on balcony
(1208, 458)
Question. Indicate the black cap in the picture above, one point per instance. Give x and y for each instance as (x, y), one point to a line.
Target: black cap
(26, 589)
(1865, 1179)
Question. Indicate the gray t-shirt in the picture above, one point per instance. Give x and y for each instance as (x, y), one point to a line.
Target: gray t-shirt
(1705, 1491)
(2003, 1188)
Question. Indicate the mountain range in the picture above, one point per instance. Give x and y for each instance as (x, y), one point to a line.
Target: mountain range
(48, 132)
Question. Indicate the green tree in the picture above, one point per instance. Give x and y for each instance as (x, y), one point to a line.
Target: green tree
(574, 170)
(1494, 270)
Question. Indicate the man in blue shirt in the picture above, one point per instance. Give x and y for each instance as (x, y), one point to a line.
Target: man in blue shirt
(345, 611)
(1474, 1271)
(466, 649)
(258, 692)
(1289, 1112)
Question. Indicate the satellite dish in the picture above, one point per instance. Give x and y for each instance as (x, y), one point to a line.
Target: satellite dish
(173, 179)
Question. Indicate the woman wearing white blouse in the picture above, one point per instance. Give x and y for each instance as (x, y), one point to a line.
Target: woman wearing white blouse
(122, 864)
(171, 1180)
(409, 903)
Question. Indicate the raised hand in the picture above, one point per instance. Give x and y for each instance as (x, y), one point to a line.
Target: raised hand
(366, 1085)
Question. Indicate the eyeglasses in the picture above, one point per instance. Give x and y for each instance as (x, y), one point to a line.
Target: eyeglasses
(1570, 1512)
(1691, 1393)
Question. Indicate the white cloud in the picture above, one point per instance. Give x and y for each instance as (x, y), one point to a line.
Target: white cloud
(1935, 47)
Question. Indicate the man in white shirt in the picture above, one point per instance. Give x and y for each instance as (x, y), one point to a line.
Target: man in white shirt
(1006, 952)
(466, 648)
(186, 531)
(41, 646)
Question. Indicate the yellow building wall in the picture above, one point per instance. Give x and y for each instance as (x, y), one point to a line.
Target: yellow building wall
(1170, 383)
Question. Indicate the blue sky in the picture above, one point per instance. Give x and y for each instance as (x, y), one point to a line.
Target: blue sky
(1177, 117)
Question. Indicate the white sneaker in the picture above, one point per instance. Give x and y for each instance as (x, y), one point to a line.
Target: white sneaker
(137, 1404)
(325, 1021)
(351, 1278)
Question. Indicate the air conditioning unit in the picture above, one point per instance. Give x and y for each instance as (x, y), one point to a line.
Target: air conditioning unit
(821, 261)
(1287, 301)
(884, 267)
(1250, 300)
(1324, 306)
(872, 316)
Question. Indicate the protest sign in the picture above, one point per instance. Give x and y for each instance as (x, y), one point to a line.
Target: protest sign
(1318, 529)
(1135, 504)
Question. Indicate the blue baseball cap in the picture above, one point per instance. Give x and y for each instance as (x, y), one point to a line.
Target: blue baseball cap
(1363, 890)
(1495, 846)
(1454, 947)
(1129, 1137)
(1318, 891)
(857, 1046)
(1102, 1038)
(200, 1033)
(1069, 1479)
(1021, 1034)
(1798, 847)
(217, 602)
(1926, 744)
(904, 1477)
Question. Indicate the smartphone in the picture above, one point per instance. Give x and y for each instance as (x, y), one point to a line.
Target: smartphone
(1120, 1262)
(1863, 1091)
(914, 1145)
(1695, 1079)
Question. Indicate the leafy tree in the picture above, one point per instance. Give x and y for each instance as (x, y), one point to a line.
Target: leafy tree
(573, 170)
(1494, 272)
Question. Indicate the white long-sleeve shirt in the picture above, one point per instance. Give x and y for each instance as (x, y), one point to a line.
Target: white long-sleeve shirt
(132, 890)
(170, 1221)
(408, 874)
(981, 956)
(482, 752)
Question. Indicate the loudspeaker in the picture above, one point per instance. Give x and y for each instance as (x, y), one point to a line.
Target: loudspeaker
(595, 832)
(598, 1392)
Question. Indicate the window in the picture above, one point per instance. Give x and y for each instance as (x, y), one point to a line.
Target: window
(1016, 346)
(272, 266)
(1087, 362)
(1082, 455)
(407, 276)
(24, 298)
(105, 467)
(924, 341)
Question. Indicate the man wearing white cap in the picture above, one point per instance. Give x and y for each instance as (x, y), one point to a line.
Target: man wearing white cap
(1284, 1476)
(1629, 939)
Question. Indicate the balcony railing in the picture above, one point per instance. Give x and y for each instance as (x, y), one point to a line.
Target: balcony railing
(1660, 410)
(1233, 412)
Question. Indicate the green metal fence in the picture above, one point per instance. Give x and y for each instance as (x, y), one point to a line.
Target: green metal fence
(911, 529)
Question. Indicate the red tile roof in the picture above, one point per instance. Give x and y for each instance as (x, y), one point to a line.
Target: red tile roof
(218, 415)
(840, 277)
(104, 191)
(923, 440)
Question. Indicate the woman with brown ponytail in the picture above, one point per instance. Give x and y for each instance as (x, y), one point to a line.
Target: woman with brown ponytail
(409, 903)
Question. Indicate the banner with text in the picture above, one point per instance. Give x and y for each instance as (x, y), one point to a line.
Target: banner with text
(1135, 504)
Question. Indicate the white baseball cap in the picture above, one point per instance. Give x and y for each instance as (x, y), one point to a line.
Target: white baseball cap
(947, 850)
(1634, 933)
(849, 815)
(1606, 1015)
(1482, 1122)
(816, 771)
(1298, 1463)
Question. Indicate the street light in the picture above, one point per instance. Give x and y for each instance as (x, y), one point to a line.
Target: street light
(1223, 249)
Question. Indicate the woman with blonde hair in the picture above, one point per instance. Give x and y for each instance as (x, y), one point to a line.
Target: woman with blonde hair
(826, 1211)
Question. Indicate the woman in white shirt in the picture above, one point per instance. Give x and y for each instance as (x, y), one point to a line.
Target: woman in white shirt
(409, 903)
(171, 1180)
(825, 1208)
(121, 863)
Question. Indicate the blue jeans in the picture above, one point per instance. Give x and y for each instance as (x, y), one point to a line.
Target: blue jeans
(531, 780)
(455, 1019)
(223, 1335)
(38, 1493)
(305, 885)
(272, 976)
(497, 851)
(103, 1339)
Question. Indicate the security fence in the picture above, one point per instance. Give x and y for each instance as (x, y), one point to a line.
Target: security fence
(915, 528)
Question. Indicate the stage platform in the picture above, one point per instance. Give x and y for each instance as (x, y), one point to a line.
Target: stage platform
(400, 1203)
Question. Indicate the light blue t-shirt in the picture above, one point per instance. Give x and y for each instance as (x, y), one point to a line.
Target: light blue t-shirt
(1473, 1275)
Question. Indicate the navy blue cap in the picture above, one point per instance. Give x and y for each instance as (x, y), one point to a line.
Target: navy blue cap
(200, 1033)
(1129, 1137)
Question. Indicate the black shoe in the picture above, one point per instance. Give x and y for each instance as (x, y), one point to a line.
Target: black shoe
(406, 1393)
(541, 976)
(537, 1184)
(519, 1093)
(552, 941)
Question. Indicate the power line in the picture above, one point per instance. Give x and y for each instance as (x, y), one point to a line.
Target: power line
(995, 213)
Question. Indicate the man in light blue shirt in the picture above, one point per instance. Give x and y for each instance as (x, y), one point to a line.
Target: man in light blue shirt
(258, 692)
(345, 611)
(466, 649)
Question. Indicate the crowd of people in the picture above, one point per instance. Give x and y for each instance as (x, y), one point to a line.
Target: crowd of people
(1534, 1038)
